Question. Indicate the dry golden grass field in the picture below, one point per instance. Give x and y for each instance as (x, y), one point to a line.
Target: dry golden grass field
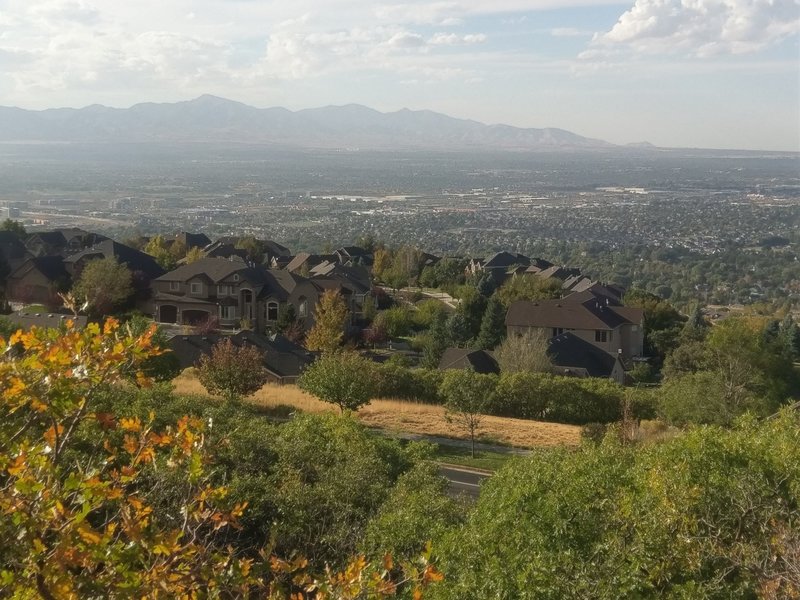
(408, 417)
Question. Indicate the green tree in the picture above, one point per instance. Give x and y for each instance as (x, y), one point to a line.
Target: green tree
(232, 371)
(104, 285)
(493, 325)
(368, 308)
(710, 514)
(468, 396)
(523, 395)
(255, 248)
(330, 318)
(342, 378)
(418, 509)
(437, 342)
(15, 227)
(163, 365)
(396, 320)
(80, 525)
(526, 287)
(157, 248)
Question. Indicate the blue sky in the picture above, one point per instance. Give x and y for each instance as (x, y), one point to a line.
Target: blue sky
(689, 73)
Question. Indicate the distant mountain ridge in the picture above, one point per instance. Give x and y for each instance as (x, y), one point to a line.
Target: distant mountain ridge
(212, 119)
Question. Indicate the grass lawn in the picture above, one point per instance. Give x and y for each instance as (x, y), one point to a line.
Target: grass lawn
(489, 461)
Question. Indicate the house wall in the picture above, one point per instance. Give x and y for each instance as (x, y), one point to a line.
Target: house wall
(631, 341)
(31, 287)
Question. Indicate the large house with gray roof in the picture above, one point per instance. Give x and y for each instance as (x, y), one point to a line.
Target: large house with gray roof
(232, 291)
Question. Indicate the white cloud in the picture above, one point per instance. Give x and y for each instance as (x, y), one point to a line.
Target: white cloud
(699, 27)
(567, 32)
(453, 39)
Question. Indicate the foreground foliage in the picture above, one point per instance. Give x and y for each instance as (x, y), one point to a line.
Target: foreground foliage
(107, 503)
(711, 514)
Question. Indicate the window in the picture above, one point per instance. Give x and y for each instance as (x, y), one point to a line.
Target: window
(272, 311)
(223, 290)
(196, 288)
(227, 312)
(236, 277)
(302, 308)
(174, 286)
(557, 331)
(600, 336)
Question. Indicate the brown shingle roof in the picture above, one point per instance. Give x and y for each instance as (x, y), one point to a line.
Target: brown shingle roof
(590, 314)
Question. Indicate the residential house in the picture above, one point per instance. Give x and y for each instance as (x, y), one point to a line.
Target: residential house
(38, 281)
(232, 291)
(479, 361)
(143, 267)
(501, 262)
(304, 262)
(353, 255)
(574, 356)
(283, 360)
(12, 250)
(192, 240)
(61, 242)
(595, 319)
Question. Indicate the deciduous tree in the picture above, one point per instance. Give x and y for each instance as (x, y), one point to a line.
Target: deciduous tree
(467, 397)
(524, 353)
(104, 284)
(342, 378)
(232, 371)
(330, 318)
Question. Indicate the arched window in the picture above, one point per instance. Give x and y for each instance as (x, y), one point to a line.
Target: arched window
(302, 308)
(272, 311)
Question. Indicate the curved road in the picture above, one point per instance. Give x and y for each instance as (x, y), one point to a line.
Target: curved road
(463, 481)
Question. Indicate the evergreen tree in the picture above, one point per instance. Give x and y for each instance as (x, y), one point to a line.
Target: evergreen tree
(458, 329)
(493, 327)
(790, 337)
(437, 342)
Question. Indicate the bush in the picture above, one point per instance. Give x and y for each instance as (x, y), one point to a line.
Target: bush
(403, 383)
(559, 399)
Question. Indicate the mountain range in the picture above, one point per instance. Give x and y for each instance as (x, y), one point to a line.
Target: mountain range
(213, 119)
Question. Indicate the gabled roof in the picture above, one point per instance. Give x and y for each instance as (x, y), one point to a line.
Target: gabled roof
(11, 246)
(311, 260)
(558, 272)
(281, 357)
(503, 260)
(568, 351)
(281, 284)
(51, 238)
(354, 278)
(273, 248)
(216, 269)
(51, 267)
(579, 312)
(132, 258)
(479, 361)
(193, 240)
(220, 249)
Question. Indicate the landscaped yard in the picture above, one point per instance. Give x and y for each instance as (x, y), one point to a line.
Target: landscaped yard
(408, 417)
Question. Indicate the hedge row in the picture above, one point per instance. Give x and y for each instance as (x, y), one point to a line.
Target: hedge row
(520, 395)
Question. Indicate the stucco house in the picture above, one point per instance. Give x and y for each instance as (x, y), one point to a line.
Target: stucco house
(233, 291)
(596, 319)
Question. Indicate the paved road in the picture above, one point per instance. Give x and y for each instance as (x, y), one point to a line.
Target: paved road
(463, 481)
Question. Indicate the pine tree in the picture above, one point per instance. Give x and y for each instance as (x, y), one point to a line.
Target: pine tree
(437, 342)
(493, 327)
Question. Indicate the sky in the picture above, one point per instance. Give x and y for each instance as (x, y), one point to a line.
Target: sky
(679, 73)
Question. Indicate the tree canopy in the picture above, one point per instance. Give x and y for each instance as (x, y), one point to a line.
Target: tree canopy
(104, 284)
